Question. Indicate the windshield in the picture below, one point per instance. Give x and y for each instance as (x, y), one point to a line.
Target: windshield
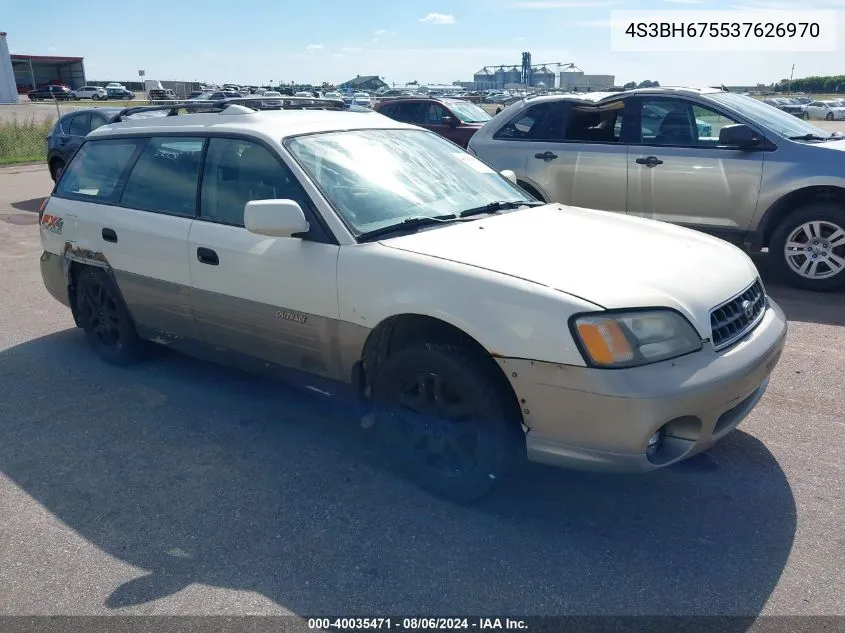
(767, 116)
(378, 178)
(469, 112)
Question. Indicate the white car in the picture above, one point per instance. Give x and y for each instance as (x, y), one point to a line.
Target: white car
(367, 257)
(91, 92)
(362, 99)
(272, 94)
(304, 93)
(830, 110)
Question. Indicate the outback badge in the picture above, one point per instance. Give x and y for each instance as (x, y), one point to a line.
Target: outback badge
(291, 316)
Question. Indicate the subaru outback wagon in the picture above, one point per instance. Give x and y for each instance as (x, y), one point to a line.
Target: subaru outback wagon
(711, 160)
(371, 259)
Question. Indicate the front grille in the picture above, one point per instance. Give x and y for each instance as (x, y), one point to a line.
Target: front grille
(733, 319)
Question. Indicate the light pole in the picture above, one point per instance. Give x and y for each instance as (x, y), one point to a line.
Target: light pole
(791, 73)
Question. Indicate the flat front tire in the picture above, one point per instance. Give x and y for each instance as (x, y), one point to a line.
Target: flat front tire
(448, 420)
(106, 320)
(808, 247)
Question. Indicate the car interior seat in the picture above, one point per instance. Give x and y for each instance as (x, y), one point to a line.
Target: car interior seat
(675, 129)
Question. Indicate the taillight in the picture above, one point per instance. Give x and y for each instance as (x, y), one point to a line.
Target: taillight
(42, 207)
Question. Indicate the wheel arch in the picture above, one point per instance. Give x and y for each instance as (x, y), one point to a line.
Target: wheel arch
(397, 331)
(78, 259)
(781, 208)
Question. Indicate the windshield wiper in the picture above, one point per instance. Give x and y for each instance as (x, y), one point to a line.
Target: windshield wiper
(812, 137)
(501, 205)
(408, 224)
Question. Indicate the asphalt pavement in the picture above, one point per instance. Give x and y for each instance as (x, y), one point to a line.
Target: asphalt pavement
(181, 487)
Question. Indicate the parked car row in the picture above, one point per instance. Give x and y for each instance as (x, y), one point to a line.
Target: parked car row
(95, 93)
(470, 323)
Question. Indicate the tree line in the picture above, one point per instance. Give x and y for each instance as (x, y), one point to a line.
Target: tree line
(643, 84)
(828, 84)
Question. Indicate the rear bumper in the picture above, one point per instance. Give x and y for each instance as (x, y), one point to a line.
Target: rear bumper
(54, 273)
(602, 419)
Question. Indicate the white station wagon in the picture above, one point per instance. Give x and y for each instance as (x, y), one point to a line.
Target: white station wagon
(474, 325)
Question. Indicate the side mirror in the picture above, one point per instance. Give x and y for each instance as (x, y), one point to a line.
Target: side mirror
(275, 218)
(740, 136)
(509, 174)
(450, 121)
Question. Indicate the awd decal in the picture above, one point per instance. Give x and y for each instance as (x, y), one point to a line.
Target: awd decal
(52, 223)
(291, 316)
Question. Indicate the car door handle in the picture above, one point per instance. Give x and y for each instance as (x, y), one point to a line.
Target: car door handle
(546, 156)
(649, 161)
(207, 256)
(109, 235)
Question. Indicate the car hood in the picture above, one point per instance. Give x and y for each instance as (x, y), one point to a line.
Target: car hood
(612, 260)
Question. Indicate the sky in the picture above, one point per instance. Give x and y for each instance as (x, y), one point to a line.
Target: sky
(430, 41)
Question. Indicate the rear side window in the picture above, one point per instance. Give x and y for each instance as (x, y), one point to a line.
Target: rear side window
(527, 124)
(595, 125)
(96, 170)
(410, 112)
(164, 179)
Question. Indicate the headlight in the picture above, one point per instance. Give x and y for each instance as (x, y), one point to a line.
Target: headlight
(628, 339)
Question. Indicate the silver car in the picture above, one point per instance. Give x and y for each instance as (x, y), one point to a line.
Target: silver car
(712, 160)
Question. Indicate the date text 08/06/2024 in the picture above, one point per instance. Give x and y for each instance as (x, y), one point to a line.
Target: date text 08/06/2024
(417, 624)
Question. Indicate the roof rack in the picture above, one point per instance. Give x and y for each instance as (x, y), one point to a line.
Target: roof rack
(253, 102)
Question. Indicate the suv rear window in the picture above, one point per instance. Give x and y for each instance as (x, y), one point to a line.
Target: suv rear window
(96, 169)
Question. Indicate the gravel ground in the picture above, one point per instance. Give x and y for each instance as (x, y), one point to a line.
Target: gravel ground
(179, 487)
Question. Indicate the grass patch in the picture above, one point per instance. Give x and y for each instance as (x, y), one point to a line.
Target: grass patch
(23, 141)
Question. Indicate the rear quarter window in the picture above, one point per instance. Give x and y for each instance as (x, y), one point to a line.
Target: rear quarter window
(525, 125)
(97, 170)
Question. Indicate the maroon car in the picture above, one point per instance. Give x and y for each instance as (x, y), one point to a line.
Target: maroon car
(454, 119)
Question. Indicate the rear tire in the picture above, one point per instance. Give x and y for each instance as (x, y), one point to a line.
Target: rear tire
(95, 97)
(447, 420)
(829, 116)
(106, 320)
(808, 247)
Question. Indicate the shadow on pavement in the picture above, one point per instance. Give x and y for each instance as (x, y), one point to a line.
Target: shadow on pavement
(200, 474)
(824, 308)
(28, 205)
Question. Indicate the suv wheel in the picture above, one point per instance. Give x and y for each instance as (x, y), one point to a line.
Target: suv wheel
(829, 116)
(95, 97)
(106, 320)
(446, 420)
(809, 247)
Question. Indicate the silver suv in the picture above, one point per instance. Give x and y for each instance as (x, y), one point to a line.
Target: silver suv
(708, 159)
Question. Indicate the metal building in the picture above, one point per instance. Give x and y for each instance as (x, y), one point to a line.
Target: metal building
(543, 76)
(484, 80)
(580, 82)
(34, 71)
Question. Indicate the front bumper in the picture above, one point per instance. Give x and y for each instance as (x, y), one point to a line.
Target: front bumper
(602, 419)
